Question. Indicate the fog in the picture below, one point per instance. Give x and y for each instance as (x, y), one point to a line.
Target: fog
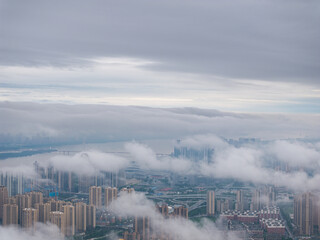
(137, 205)
(44, 231)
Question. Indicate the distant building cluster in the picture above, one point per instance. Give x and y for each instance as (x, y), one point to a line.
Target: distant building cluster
(260, 198)
(51, 181)
(203, 154)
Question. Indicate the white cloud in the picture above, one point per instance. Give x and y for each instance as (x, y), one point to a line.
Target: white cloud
(136, 204)
(43, 231)
(89, 163)
(146, 158)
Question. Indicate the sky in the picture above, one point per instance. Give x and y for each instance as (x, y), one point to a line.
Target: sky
(235, 56)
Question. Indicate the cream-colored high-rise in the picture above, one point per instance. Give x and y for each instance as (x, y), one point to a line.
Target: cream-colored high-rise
(23, 201)
(29, 218)
(58, 219)
(91, 216)
(81, 217)
(95, 196)
(10, 214)
(4, 198)
(110, 194)
(44, 210)
(69, 220)
(210, 203)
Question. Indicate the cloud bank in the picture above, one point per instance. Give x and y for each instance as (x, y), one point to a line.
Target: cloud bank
(291, 164)
(89, 163)
(255, 163)
(43, 231)
(137, 205)
(49, 124)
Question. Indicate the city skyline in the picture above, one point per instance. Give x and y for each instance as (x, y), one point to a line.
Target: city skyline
(159, 120)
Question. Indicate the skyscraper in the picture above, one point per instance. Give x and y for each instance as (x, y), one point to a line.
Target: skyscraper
(181, 211)
(57, 205)
(91, 216)
(81, 217)
(163, 209)
(10, 214)
(239, 201)
(303, 213)
(4, 198)
(128, 190)
(29, 217)
(69, 220)
(95, 197)
(210, 203)
(110, 194)
(57, 218)
(142, 226)
(23, 201)
(36, 197)
(44, 209)
(256, 201)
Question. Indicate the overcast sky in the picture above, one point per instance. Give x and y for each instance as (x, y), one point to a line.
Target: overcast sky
(246, 56)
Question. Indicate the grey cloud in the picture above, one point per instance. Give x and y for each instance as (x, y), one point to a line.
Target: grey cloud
(264, 40)
(146, 158)
(29, 123)
(246, 163)
(89, 163)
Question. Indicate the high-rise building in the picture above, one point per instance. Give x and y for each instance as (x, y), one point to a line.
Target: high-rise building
(10, 214)
(81, 217)
(163, 209)
(29, 218)
(57, 205)
(180, 211)
(13, 182)
(44, 209)
(127, 190)
(23, 201)
(142, 226)
(303, 213)
(110, 194)
(57, 218)
(210, 203)
(204, 154)
(256, 200)
(4, 198)
(12, 200)
(131, 236)
(269, 196)
(64, 181)
(91, 216)
(239, 201)
(95, 197)
(69, 220)
(36, 197)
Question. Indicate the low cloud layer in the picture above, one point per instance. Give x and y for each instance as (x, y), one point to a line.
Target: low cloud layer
(89, 163)
(26, 124)
(137, 205)
(292, 164)
(44, 231)
(269, 163)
